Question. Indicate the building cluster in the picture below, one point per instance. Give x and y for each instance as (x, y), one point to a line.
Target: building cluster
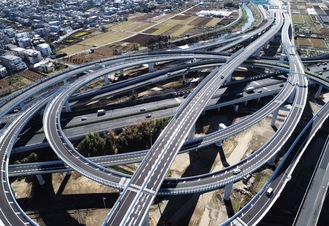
(44, 24)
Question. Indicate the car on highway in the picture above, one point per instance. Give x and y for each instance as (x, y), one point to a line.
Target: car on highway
(246, 178)
(148, 116)
(83, 118)
(269, 191)
(143, 109)
(236, 171)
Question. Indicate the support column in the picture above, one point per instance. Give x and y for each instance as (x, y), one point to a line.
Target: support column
(229, 78)
(236, 107)
(183, 77)
(227, 192)
(191, 134)
(121, 73)
(106, 79)
(257, 53)
(221, 126)
(271, 162)
(274, 116)
(65, 81)
(69, 172)
(67, 106)
(85, 88)
(292, 96)
(151, 67)
(319, 91)
(146, 221)
(21, 105)
(246, 102)
(282, 58)
(40, 179)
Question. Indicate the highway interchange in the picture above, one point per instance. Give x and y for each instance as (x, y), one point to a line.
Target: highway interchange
(139, 191)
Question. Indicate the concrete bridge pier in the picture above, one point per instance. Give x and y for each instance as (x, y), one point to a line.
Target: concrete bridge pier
(67, 106)
(191, 134)
(183, 76)
(106, 79)
(257, 53)
(85, 88)
(227, 192)
(282, 58)
(292, 96)
(40, 179)
(21, 105)
(229, 78)
(151, 67)
(274, 116)
(218, 109)
(65, 81)
(236, 107)
(146, 221)
(121, 73)
(271, 162)
(319, 91)
(246, 102)
(221, 126)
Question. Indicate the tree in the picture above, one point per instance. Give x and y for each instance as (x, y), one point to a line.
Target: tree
(91, 145)
(135, 46)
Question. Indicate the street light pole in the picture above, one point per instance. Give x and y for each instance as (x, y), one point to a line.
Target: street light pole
(151, 133)
(104, 202)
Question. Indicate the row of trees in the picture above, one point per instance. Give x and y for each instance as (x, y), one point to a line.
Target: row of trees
(132, 138)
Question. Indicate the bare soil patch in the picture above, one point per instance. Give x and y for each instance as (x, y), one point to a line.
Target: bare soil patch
(173, 29)
(225, 22)
(141, 39)
(31, 75)
(151, 30)
(201, 21)
(144, 17)
(100, 53)
(305, 43)
(181, 17)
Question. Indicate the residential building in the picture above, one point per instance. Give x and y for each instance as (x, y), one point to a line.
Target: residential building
(3, 71)
(32, 56)
(12, 63)
(44, 49)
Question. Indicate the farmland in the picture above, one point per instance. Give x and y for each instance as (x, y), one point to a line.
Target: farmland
(312, 43)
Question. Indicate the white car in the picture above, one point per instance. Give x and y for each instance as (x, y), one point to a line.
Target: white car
(236, 171)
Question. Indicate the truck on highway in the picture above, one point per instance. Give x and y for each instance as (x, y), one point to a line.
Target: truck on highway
(100, 112)
(269, 191)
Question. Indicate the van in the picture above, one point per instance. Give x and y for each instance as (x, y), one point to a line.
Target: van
(269, 191)
(83, 118)
(101, 112)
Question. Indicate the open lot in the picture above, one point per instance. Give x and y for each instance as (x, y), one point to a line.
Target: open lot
(312, 43)
(299, 18)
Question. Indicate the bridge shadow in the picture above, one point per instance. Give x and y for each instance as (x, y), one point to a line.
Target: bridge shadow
(229, 208)
(63, 184)
(53, 209)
